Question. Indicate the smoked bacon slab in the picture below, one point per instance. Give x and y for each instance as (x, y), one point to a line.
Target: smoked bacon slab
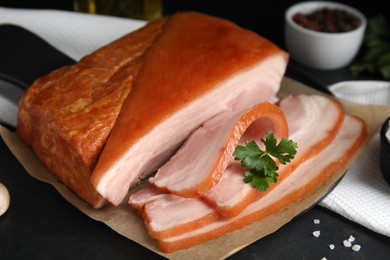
(118, 114)
(198, 67)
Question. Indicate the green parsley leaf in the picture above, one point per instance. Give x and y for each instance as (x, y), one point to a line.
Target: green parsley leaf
(262, 166)
(376, 50)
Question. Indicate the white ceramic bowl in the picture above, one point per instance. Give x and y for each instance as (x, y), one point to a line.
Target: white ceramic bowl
(322, 50)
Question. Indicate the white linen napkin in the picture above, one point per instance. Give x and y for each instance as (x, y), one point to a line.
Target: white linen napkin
(75, 34)
(9, 99)
(363, 195)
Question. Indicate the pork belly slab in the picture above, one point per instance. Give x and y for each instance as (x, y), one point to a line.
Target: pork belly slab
(307, 177)
(148, 91)
(198, 67)
(67, 115)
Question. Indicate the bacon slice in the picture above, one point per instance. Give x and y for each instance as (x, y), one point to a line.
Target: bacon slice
(200, 162)
(147, 194)
(231, 195)
(197, 68)
(305, 117)
(166, 215)
(304, 180)
(161, 215)
(314, 116)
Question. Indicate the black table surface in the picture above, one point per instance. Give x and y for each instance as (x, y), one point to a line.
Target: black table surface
(40, 224)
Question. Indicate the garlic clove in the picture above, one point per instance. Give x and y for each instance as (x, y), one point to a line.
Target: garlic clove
(4, 199)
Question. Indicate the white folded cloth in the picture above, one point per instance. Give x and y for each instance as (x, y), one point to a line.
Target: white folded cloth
(9, 99)
(75, 34)
(362, 195)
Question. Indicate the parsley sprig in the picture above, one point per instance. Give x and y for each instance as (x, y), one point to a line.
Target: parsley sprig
(262, 168)
(376, 53)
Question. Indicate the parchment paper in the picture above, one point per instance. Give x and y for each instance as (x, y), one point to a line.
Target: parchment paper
(124, 220)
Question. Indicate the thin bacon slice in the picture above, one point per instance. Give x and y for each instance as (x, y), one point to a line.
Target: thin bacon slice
(231, 195)
(147, 194)
(305, 117)
(160, 211)
(166, 215)
(200, 162)
(306, 178)
(159, 215)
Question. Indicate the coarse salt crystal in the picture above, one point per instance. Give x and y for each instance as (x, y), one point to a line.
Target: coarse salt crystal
(316, 221)
(356, 247)
(351, 238)
(331, 246)
(324, 258)
(347, 243)
(316, 233)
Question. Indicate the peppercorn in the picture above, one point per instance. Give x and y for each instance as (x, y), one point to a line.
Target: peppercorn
(328, 20)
